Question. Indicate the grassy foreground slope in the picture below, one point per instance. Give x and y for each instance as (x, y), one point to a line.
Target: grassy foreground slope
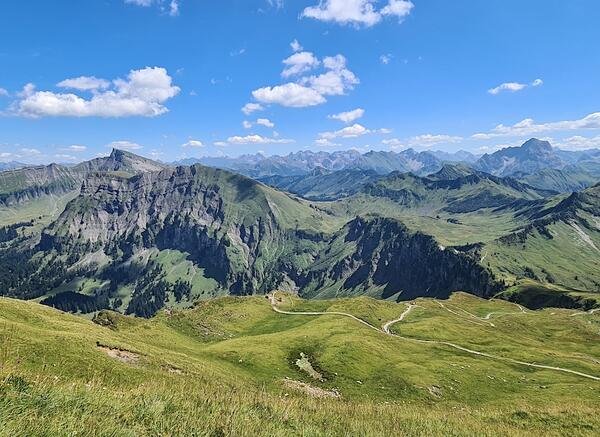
(233, 366)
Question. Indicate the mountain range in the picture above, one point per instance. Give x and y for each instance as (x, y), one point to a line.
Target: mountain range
(135, 235)
(533, 156)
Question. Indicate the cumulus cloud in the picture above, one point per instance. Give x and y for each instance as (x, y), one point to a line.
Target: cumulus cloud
(291, 95)
(512, 87)
(3, 92)
(249, 108)
(357, 12)
(528, 127)
(356, 130)
(84, 83)
(143, 93)
(579, 142)
(299, 63)
(309, 90)
(124, 145)
(246, 124)
(257, 139)
(193, 143)
(334, 82)
(265, 122)
(349, 116)
(537, 82)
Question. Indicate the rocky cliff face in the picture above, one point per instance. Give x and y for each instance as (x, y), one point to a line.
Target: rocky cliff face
(231, 226)
(192, 209)
(384, 255)
(22, 185)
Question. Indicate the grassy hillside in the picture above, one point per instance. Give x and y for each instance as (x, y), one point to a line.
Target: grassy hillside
(234, 366)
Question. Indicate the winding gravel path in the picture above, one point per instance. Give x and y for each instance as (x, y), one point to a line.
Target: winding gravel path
(386, 330)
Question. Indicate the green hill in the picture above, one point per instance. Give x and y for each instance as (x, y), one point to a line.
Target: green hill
(233, 366)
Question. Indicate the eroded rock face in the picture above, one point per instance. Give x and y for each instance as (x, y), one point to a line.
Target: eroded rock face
(229, 226)
(25, 184)
(173, 209)
(388, 256)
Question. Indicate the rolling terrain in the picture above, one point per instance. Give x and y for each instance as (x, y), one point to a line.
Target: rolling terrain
(360, 366)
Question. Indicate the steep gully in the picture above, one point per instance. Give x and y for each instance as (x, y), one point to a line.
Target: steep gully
(386, 330)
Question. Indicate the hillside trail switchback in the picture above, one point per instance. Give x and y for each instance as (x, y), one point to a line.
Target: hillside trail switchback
(386, 331)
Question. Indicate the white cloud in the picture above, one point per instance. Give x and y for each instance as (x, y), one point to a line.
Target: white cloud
(299, 63)
(249, 108)
(336, 81)
(578, 143)
(276, 3)
(290, 95)
(265, 122)
(143, 94)
(348, 117)
(220, 143)
(529, 127)
(257, 139)
(30, 152)
(169, 7)
(124, 145)
(537, 82)
(3, 92)
(296, 47)
(357, 12)
(193, 143)
(429, 140)
(246, 124)
(386, 59)
(65, 157)
(144, 3)
(324, 142)
(356, 130)
(174, 8)
(237, 52)
(513, 87)
(84, 83)
(395, 143)
(76, 148)
(398, 8)
(309, 90)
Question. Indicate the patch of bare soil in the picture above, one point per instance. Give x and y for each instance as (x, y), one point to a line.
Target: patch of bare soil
(120, 354)
(310, 390)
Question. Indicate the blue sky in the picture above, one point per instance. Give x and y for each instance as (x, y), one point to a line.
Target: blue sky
(169, 78)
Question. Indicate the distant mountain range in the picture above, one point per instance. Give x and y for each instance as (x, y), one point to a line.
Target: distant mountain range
(11, 165)
(576, 169)
(304, 162)
(533, 156)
